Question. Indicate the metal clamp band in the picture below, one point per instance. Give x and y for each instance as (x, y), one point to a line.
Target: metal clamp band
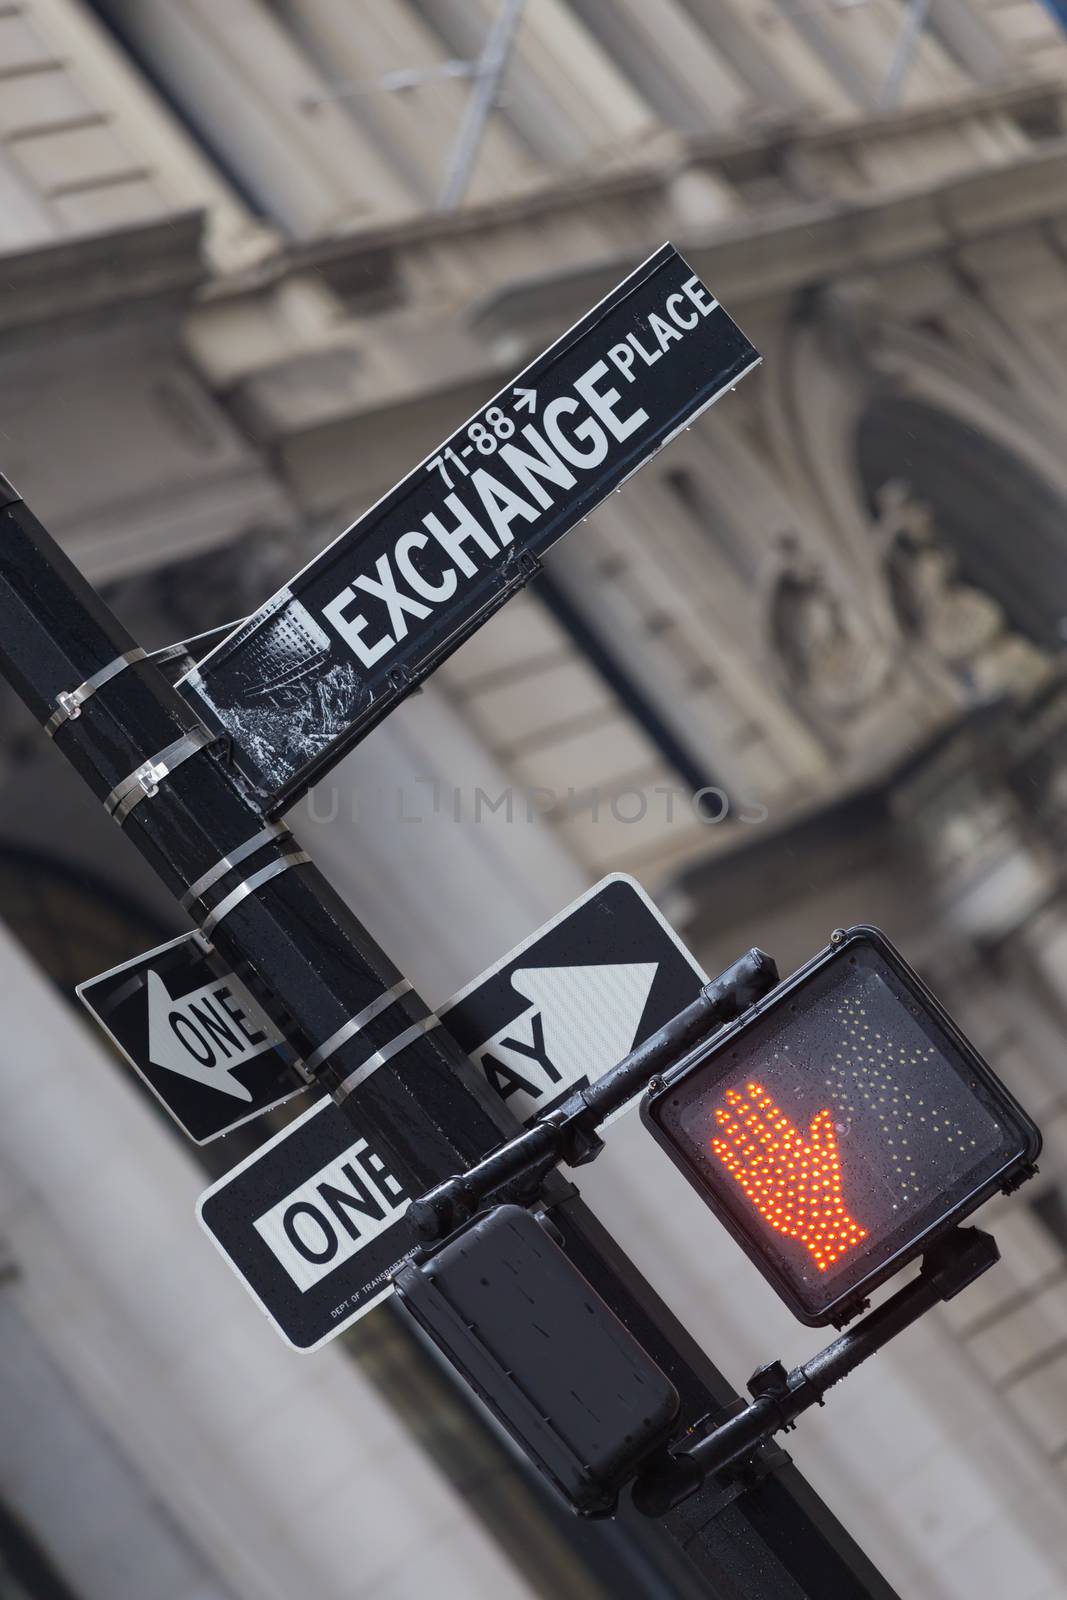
(225, 864)
(393, 1048)
(356, 1024)
(69, 702)
(144, 783)
(298, 858)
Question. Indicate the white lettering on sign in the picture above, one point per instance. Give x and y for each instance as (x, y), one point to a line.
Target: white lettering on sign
(205, 1035)
(331, 1216)
(580, 1022)
(572, 434)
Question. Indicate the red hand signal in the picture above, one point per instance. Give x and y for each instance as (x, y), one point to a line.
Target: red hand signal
(795, 1186)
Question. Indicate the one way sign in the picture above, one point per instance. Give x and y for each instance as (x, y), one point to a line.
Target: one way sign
(313, 1222)
(195, 1035)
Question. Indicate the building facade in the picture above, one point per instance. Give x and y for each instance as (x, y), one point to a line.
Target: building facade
(234, 311)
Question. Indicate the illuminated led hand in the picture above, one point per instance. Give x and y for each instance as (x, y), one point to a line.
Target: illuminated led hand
(796, 1187)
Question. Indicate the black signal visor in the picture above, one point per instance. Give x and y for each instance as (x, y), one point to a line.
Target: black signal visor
(841, 1125)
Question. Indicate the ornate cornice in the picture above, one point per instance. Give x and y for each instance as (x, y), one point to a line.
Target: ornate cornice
(150, 266)
(753, 258)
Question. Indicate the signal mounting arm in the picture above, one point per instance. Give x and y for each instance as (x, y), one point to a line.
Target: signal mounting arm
(952, 1263)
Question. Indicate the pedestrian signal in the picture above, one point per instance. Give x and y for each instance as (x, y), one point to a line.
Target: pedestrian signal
(840, 1125)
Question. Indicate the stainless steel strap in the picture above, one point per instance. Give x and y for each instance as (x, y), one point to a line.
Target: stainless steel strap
(70, 701)
(273, 869)
(356, 1024)
(393, 1048)
(144, 782)
(225, 864)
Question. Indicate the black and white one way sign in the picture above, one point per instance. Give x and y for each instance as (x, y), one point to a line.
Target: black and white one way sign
(313, 1222)
(195, 1035)
(327, 657)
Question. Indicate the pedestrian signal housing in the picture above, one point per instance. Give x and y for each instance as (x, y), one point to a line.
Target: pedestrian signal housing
(840, 1125)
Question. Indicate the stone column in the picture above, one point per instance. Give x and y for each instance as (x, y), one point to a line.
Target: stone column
(287, 1475)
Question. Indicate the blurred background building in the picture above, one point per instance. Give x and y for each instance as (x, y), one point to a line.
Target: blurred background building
(240, 296)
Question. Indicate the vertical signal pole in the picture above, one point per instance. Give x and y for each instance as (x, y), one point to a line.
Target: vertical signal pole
(329, 987)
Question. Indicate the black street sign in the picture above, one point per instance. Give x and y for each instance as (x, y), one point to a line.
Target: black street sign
(313, 1221)
(195, 1035)
(329, 655)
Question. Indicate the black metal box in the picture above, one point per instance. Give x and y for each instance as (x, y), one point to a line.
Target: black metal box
(550, 1359)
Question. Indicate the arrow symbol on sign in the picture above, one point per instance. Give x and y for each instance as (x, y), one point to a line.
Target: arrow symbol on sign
(525, 399)
(590, 1014)
(580, 1022)
(167, 1049)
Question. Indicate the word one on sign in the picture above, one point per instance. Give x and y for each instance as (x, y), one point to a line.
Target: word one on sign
(313, 1222)
(328, 656)
(195, 1035)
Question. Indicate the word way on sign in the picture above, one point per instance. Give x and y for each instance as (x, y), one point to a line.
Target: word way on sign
(329, 655)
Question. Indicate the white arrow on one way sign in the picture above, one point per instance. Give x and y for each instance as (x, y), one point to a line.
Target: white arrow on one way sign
(201, 1036)
(581, 1021)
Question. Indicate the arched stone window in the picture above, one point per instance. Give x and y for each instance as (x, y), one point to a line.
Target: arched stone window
(973, 540)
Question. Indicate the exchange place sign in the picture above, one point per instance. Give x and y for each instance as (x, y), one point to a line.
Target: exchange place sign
(330, 654)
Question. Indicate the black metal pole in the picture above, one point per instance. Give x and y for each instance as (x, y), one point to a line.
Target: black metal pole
(315, 968)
